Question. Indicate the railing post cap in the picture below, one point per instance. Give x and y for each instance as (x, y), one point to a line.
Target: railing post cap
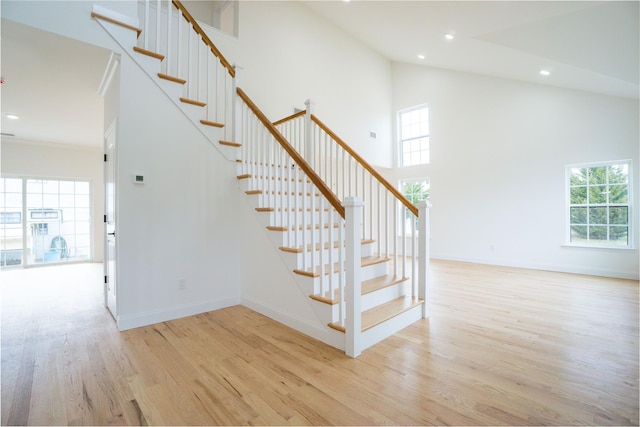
(424, 204)
(352, 202)
(237, 67)
(309, 102)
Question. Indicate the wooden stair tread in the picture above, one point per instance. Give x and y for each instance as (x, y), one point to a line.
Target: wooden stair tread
(382, 313)
(366, 261)
(381, 282)
(210, 123)
(245, 176)
(115, 21)
(172, 78)
(336, 244)
(193, 102)
(149, 53)
(285, 228)
(367, 287)
(230, 144)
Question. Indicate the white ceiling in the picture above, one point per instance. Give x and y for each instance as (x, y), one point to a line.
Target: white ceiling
(587, 45)
(52, 81)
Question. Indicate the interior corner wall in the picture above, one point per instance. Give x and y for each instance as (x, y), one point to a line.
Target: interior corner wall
(498, 154)
(57, 161)
(290, 54)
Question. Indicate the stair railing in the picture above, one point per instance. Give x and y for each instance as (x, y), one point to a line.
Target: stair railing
(280, 174)
(170, 31)
(388, 217)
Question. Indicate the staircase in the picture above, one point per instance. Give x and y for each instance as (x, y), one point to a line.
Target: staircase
(349, 238)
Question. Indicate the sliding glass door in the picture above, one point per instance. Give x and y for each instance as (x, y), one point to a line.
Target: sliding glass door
(46, 221)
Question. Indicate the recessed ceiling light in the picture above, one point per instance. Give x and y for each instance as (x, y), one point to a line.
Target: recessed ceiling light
(11, 116)
(421, 56)
(545, 73)
(449, 36)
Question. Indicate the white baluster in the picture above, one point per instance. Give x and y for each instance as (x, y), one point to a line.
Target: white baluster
(147, 27)
(158, 7)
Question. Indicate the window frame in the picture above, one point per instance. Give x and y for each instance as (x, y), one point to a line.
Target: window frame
(588, 205)
(32, 215)
(401, 141)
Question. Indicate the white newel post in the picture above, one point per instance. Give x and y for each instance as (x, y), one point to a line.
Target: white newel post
(353, 261)
(424, 238)
(308, 134)
(236, 125)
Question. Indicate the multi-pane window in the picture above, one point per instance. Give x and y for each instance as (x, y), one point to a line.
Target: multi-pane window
(44, 221)
(11, 222)
(415, 190)
(413, 127)
(599, 204)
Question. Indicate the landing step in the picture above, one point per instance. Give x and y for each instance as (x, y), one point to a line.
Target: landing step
(382, 313)
(230, 144)
(172, 78)
(368, 286)
(149, 53)
(366, 261)
(193, 102)
(210, 123)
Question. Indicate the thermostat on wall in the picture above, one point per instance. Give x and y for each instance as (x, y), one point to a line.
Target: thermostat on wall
(138, 179)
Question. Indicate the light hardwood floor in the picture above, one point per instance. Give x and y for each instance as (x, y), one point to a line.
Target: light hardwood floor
(503, 346)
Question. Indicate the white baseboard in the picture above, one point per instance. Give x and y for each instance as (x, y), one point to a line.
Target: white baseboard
(586, 270)
(326, 335)
(172, 313)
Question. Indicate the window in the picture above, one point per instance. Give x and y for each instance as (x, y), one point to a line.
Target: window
(413, 125)
(415, 190)
(44, 221)
(598, 203)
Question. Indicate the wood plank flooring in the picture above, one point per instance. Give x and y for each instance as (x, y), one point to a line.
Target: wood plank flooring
(503, 346)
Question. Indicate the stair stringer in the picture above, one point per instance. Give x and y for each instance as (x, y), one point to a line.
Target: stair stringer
(127, 38)
(319, 329)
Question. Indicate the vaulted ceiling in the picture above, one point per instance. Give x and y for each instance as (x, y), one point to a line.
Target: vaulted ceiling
(585, 45)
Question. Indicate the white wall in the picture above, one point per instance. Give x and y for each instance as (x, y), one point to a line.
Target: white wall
(498, 155)
(56, 161)
(289, 54)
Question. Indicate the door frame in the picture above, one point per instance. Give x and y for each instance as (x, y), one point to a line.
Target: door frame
(110, 277)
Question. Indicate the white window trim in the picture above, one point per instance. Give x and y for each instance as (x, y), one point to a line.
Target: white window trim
(399, 134)
(567, 186)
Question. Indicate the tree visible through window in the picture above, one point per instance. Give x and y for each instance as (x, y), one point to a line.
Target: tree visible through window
(413, 127)
(599, 207)
(415, 190)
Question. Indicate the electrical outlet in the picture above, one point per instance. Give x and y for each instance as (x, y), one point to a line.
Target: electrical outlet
(182, 284)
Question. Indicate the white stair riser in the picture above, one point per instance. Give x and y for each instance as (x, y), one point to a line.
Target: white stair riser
(173, 89)
(281, 238)
(378, 333)
(367, 272)
(373, 299)
(290, 218)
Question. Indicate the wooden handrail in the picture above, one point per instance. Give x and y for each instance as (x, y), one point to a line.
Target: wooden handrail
(204, 37)
(291, 117)
(297, 158)
(398, 195)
